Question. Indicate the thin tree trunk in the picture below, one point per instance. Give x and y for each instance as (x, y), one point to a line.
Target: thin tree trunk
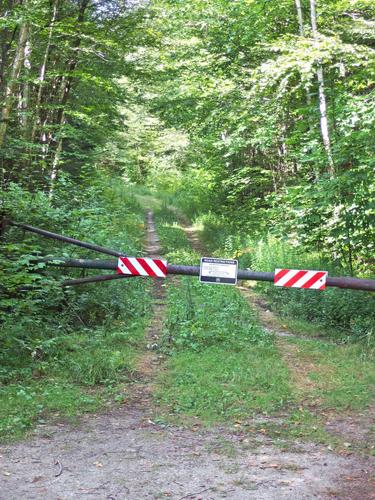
(55, 167)
(322, 97)
(42, 71)
(25, 101)
(10, 92)
(300, 17)
(65, 88)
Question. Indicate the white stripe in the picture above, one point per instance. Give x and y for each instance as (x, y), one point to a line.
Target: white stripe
(155, 268)
(123, 267)
(304, 279)
(322, 281)
(138, 266)
(286, 278)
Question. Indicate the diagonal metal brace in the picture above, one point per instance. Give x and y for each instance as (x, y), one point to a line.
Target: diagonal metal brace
(67, 239)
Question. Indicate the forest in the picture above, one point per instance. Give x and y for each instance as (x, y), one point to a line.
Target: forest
(250, 121)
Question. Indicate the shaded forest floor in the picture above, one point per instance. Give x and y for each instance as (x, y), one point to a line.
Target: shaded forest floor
(134, 452)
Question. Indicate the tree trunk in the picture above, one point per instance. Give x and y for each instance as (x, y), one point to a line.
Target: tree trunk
(42, 71)
(66, 84)
(322, 97)
(25, 100)
(300, 17)
(10, 91)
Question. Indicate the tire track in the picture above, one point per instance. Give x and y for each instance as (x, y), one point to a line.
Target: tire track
(150, 361)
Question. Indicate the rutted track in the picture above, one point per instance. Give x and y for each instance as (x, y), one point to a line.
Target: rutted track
(125, 454)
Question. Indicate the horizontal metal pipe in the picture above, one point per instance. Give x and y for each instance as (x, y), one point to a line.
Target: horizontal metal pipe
(243, 274)
(66, 239)
(352, 283)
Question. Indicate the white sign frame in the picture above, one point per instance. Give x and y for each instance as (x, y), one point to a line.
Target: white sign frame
(215, 271)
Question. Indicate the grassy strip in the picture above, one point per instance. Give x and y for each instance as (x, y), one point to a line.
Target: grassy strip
(222, 364)
(220, 383)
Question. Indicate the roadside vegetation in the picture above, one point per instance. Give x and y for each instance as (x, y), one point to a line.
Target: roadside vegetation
(64, 351)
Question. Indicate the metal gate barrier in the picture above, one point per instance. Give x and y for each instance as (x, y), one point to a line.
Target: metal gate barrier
(242, 274)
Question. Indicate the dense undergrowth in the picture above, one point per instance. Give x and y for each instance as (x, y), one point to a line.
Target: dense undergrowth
(59, 345)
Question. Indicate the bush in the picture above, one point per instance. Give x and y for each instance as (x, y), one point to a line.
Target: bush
(35, 312)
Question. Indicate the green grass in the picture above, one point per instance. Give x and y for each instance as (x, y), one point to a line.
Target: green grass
(24, 405)
(91, 370)
(217, 383)
(343, 375)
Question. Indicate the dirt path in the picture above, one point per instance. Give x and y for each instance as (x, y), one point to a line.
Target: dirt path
(128, 454)
(150, 361)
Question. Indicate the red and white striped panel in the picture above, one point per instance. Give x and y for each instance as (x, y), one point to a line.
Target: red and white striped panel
(145, 266)
(296, 278)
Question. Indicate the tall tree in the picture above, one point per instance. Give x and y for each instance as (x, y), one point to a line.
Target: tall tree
(11, 85)
(322, 95)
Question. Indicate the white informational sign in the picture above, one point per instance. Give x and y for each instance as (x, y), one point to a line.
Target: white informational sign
(218, 271)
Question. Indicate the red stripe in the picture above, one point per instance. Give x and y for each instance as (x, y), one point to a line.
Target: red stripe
(313, 279)
(130, 266)
(146, 267)
(295, 278)
(281, 274)
(161, 265)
